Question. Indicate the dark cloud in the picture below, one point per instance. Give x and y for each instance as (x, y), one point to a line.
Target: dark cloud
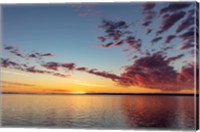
(16, 53)
(155, 40)
(38, 56)
(34, 55)
(81, 69)
(186, 23)
(55, 65)
(51, 65)
(69, 66)
(168, 48)
(187, 40)
(148, 31)
(114, 32)
(47, 54)
(186, 46)
(174, 7)
(119, 43)
(134, 43)
(117, 33)
(170, 59)
(147, 23)
(8, 47)
(34, 70)
(148, 14)
(107, 45)
(151, 72)
(13, 51)
(170, 21)
(102, 39)
(104, 74)
(6, 63)
(187, 74)
(170, 38)
(187, 35)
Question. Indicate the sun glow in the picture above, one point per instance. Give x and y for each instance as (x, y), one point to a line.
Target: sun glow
(78, 92)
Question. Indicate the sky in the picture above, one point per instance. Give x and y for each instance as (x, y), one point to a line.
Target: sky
(98, 48)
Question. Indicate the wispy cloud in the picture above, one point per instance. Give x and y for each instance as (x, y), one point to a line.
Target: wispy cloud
(170, 21)
(172, 7)
(6, 63)
(8, 83)
(148, 14)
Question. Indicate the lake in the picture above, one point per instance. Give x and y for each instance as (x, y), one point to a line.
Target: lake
(98, 111)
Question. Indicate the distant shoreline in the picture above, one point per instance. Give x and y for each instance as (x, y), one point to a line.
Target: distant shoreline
(134, 94)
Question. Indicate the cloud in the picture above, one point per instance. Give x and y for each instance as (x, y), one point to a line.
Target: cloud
(186, 46)
(186, 23)
(187, 35)
(170, 38)
(170, 21)
(119, 43)
(114, 32)
(104, 74)
(6, 63)
(55, 65)
(170, 59)
(81, 69)
(134, 43)
(51, 65)
(187, 74)
(187, 39)
(34, 70)
(148, 14)
(155, 40)
(102, 39)
(117, 35)
(150, 72)
(34, 55)
(47, 54)
(16, 83)
(38, 56)
(107, 45)
(174, 7)
(69, 66)
(155, 72)
(8, 47)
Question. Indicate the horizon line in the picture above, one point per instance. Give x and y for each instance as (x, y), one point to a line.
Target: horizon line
(164, 94)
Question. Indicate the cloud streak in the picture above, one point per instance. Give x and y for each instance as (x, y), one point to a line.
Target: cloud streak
(16, 84)
(7, 63)
(170, 21)
(148, 14)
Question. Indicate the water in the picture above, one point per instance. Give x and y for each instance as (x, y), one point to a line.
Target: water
(98, 111)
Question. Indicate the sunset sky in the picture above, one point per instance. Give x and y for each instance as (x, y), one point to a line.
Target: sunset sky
(98, 48)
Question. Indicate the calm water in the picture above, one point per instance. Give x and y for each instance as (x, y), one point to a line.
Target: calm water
(99, 111)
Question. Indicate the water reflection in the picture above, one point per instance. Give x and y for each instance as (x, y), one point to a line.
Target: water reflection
(97, 111)
(159, 112)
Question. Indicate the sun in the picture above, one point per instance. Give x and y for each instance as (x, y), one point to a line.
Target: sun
(78, 92)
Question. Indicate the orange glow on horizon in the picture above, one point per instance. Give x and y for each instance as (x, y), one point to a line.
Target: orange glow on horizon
(78, 83)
